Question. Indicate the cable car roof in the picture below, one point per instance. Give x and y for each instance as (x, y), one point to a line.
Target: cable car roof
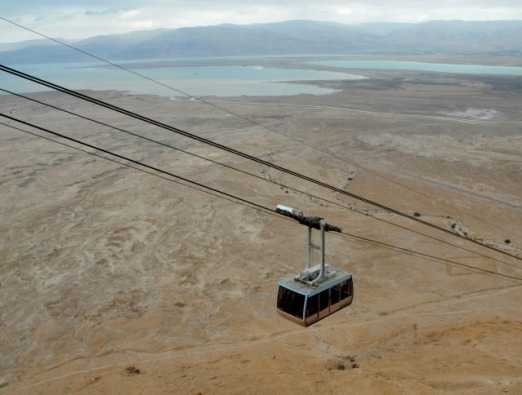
(304, 289)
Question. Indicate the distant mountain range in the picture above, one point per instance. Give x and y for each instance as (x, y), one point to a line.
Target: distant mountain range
(284, 38)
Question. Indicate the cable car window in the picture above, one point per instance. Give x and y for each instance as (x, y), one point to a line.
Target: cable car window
(335, 294)
(346, 289)
(290, 302)
(312, 305)
(324, 299)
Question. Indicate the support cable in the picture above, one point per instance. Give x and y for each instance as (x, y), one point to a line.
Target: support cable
(224, 109)
(259, 207)
(245, 155)
(244, 172)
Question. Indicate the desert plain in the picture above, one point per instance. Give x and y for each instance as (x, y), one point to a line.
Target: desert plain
(113, 281)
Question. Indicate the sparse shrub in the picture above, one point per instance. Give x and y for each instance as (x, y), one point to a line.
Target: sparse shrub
(132, 370)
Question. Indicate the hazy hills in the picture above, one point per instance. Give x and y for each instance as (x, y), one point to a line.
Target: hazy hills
(286, 38)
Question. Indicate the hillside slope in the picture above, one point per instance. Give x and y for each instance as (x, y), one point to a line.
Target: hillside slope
(289, 38)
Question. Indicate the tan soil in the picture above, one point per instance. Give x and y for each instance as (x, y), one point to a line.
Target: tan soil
(116, 282)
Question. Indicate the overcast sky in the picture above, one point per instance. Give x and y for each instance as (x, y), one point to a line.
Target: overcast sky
(84, 18)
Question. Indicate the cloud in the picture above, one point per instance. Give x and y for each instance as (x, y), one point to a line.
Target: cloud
(107, 11)
(83, 18)
(130, 14)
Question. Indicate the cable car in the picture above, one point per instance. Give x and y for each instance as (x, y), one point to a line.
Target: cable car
(318, 291)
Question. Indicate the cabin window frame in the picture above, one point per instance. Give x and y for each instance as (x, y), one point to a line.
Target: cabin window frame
(346, 289)
(336, 289)
(338, 296)
(284, 308)
(309, 299)
(325, 294)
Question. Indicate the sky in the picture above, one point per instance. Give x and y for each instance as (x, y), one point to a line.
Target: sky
(70, 19)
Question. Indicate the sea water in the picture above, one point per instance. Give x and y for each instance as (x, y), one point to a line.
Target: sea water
(471, 69)
(195, 80)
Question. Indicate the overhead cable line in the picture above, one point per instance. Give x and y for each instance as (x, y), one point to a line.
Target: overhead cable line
(241, 171)
(165, 145)
(136, 162)
(408, 251)
(242, 154)
(123, 164)
(239, 116)
(231, 197)
(230, 112)
(206, 102)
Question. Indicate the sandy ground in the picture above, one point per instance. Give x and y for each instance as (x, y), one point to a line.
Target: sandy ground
(117, 282)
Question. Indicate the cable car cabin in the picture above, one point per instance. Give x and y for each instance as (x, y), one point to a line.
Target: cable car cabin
(319, 290)
(305, 304)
